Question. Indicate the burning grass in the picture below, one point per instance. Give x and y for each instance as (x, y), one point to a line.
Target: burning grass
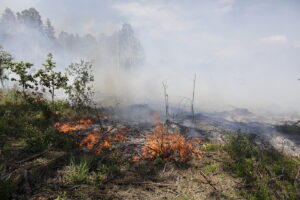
(159, 143)
(95, 140)
(69, 127)
(170, 146)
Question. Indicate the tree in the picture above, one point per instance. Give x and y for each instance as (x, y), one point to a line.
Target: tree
(49, 30)
(30, 17)
(5, 59)
(25, 79)
(49, 78)
(130, 52)
(8, 17)
(81, 91)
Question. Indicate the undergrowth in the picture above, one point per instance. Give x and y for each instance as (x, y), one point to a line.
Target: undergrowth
(26, 127)
(267, 173)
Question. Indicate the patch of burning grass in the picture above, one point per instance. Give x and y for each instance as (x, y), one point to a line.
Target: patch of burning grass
(170, 146)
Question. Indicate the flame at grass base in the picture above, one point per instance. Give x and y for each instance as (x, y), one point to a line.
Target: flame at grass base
(170, 146)
(69, 127)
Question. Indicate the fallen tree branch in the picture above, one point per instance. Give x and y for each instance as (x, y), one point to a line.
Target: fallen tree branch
(144, 183)
(208, 180)
(33, 156)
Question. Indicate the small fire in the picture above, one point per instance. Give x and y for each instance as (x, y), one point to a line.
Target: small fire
(110, 140)
(85, 122)
(169, 145)
(68, 127)
(90, 140)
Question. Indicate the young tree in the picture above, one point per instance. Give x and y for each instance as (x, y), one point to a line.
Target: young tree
(5, 59)
(49, 78)
(49, 30)
(25, 79)
(81, 91)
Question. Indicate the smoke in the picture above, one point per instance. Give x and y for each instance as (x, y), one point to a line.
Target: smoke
(245, 54)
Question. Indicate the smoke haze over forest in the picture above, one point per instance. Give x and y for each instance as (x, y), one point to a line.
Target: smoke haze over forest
(245, 53)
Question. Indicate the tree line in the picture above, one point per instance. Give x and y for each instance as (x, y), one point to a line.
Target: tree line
(25, 30)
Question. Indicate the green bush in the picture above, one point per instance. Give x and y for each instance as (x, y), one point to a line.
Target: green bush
(212, 147)
(78, 172)
(264, 170)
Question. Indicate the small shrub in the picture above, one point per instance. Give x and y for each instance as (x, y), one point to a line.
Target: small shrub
(77, 172)
(211, 168)
(62, 196)
(35, 139)
(212, 147)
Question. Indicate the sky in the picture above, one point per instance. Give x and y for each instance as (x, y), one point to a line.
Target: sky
(245, 53)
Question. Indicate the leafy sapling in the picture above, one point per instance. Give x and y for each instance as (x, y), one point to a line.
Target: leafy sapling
(24, 78)
(51, 79)
(81, 92)
(5, 59)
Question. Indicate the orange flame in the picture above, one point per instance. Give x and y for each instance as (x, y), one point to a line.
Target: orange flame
(169, 145)
(68, 127)
(90, 140)
(95, 140)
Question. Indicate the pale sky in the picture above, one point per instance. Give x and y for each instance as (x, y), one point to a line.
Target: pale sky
(244, 52)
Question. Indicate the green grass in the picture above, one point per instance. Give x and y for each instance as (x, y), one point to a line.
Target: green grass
(265, 172)
(211, 168)
(212, 147)
(26, 127)
(62, 196)
(30, 120)
(77, 173)
(86, 170)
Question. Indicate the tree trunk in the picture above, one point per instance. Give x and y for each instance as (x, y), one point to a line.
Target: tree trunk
(193, 99)
(166, 99)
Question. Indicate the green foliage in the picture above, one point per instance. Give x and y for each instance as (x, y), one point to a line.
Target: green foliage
(25, 79)
(81, 91)
(30, 120)
(5, 59)
(77, 172)
(158, 161)
(109, 169)
(266, 172)
(38, 140)
(212, 147)
(62, 196)
(50, 79)
(211, 168)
